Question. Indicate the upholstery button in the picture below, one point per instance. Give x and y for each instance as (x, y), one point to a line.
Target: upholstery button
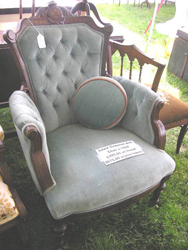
(58, 89)
(37, 59)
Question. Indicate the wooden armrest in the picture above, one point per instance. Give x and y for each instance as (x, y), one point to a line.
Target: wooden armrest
(158, 127)
(38, 159)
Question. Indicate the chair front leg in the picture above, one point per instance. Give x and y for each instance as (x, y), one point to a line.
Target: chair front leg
(59, 228)
(155, 198)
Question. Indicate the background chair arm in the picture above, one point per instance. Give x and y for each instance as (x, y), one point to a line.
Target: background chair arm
(134, 54)
(142, 112)
(32, 135)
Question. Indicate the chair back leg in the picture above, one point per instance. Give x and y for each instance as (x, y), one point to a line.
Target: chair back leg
(181, 136)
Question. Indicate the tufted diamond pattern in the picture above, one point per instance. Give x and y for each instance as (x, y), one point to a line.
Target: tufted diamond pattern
(72, 55)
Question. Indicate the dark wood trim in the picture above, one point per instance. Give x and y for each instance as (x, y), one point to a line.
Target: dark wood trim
(38, 159)
(158, 127)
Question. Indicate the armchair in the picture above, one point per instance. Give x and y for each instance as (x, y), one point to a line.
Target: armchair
(174, 112)
(68, 109)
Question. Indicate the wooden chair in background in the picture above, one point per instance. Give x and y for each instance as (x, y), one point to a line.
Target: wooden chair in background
(175, 112)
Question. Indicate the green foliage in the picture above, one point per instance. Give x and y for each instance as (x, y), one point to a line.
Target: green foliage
(138, 227)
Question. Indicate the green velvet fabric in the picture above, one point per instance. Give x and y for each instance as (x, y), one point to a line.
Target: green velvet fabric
(84, 184)
(100, 103)
(25, 113)
(72, 55)
(141, 101)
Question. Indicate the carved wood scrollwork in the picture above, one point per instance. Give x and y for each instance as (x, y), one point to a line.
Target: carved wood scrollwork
(53, 13)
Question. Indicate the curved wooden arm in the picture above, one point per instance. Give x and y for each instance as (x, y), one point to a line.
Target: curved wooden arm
(38, 159)
(158, 127)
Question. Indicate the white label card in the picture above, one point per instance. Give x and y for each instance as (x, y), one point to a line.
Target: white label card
(41, 41)
(118, 152)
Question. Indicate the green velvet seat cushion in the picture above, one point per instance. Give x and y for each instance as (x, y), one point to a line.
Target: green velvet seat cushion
(84, 184)
(100, 102)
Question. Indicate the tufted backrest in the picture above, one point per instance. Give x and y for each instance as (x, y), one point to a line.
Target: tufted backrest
(72, 55)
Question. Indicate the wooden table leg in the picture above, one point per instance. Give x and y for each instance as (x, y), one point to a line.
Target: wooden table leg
(148, 4)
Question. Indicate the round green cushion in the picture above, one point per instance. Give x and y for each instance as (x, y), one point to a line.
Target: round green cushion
(100, 103)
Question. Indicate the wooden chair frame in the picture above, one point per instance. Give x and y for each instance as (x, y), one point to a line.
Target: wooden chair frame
(133, 53)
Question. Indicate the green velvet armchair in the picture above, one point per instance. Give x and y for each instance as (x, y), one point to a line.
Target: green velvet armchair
(91, 142)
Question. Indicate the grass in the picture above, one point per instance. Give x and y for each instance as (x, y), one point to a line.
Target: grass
(138, 227)
(137, 19)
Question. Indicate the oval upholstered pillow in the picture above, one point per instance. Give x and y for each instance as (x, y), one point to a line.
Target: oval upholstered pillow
(100, 103)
